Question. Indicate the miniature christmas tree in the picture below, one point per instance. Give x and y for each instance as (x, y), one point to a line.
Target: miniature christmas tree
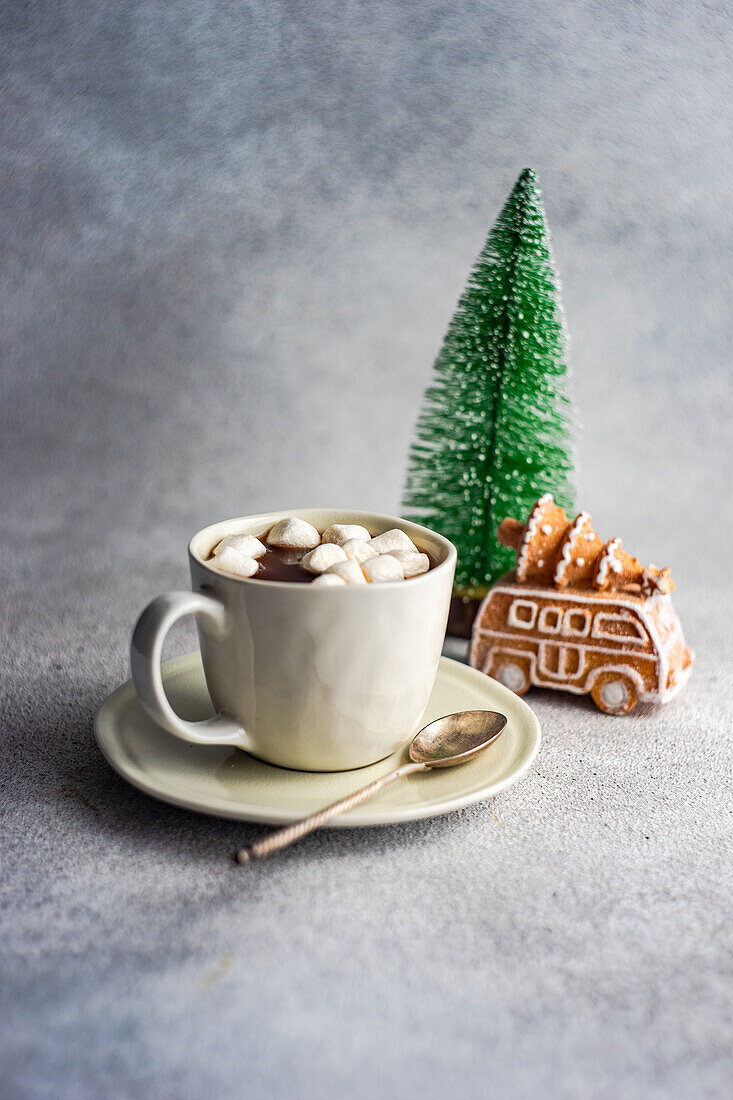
(494, 432)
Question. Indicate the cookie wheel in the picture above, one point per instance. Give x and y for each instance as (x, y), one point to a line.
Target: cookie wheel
(614, 693)
(512, 672)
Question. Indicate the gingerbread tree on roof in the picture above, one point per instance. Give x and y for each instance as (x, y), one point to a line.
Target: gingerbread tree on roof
(551, 550)
(494, 431)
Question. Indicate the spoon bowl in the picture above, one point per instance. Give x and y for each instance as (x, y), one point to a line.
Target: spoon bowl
(456, 738)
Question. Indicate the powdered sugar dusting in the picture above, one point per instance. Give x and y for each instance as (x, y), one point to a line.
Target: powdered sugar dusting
(567, 550)
(607, 562)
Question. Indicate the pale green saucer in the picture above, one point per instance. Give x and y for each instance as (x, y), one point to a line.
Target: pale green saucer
(229, 783)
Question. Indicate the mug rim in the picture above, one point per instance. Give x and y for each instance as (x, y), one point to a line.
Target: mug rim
(347, 515)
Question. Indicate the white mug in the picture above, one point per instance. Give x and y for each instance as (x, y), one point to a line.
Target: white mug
(313, 678)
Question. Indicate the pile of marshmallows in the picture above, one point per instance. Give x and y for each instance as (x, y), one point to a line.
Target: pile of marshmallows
(344, 554)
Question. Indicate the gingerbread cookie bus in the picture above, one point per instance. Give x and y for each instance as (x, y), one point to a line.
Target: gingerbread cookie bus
(580, 615)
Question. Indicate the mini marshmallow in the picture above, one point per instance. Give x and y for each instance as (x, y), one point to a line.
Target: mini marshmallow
(293, 534)
(349, 571)
(236, 561)
(413, 562)
(393, 540)
(340, 532)
(382, 569)
(319, 559)
(248, 544)
(328, 579)
(358, 550)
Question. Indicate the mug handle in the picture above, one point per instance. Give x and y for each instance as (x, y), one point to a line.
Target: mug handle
(146, 648)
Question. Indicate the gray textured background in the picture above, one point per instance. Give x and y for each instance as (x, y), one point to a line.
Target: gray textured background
(233, 236)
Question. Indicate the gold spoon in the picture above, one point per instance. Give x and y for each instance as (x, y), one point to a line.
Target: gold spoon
(451, 740)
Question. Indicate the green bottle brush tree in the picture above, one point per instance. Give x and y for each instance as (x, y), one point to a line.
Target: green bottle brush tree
(494, 432)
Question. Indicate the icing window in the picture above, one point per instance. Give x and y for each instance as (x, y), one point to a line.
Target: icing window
(522, 613)
(550, 620)
(618, 628)
(577, 622)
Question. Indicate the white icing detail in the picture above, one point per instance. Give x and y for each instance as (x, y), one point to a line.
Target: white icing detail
(652, 580)
(630, 674)
(581, 631)
(529, 534)
(574, 689)
(614, 693)
(616, 566)
(605, 563)
(545, 615)
(546, 528)
(589, 535)
(682, 677)
(541, 563)
(610, 616)
(513, 616)
(565, 653)
(570, 538)
(510, 651)
(511, 675)
(580, 561)
(659, 658)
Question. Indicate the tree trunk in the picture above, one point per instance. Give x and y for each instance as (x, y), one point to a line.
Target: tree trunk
(462, 613)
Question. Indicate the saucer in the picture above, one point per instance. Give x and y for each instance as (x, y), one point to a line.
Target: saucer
(227, 782)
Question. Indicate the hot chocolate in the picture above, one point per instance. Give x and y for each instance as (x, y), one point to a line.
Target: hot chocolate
(343, 554)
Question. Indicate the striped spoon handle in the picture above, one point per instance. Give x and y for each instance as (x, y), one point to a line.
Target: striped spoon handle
(290, 833)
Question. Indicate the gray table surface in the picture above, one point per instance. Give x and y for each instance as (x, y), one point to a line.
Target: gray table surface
(234, 236)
